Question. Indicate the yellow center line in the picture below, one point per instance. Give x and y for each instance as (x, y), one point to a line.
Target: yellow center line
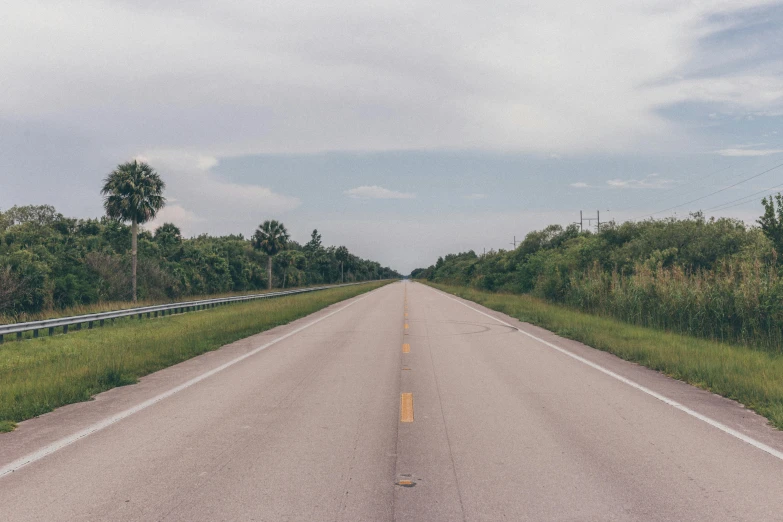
(406, 326)
(406, 407)
(406, 348)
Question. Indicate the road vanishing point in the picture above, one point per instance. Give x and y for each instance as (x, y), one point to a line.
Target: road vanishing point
(404, 403)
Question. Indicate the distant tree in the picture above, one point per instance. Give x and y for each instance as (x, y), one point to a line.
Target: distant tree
(271, 237)
(41, 215)
(342, 255)
(168, 236)
(133, 192)
(291, 259)
(314, 245)
(772, 221)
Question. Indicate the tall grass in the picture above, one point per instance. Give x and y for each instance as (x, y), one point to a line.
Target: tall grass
(752, 377)
(39, 375)
(737, 301)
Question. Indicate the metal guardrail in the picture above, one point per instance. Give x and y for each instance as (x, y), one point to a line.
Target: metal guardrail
(158, 310)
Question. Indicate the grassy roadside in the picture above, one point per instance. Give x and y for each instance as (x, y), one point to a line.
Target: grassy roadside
(111, 306)
(752, 377)
(39, 375)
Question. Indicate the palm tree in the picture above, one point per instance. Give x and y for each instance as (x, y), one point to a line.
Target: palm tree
(271, 237)
(342, 254)
(133, 192)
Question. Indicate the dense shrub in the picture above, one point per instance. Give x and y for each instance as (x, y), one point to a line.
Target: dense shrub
(712, 278)
(48, 261)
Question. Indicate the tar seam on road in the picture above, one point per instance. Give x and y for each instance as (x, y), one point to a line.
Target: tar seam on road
(62, 443)
(674, 404)
(443, 418)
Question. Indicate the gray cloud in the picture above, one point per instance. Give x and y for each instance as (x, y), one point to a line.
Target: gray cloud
(89, 84)
(233, 77)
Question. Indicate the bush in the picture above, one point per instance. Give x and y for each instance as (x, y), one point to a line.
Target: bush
(717, 279)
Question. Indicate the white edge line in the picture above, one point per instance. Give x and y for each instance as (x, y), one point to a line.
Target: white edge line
(98, 426)
(674, 404)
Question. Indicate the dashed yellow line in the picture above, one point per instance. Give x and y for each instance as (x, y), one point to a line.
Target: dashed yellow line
(406, 348)
(406, 326)
(406, 407)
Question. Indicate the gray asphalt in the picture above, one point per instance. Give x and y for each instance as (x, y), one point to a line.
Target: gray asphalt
(504, 428)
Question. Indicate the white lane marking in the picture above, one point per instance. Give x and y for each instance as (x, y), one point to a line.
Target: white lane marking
(98, 426)
(674, 404)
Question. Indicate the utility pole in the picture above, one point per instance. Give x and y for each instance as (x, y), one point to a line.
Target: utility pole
(515, 242)
(581, 220)
(590, 220)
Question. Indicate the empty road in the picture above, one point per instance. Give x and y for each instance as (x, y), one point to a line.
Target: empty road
(401, 404)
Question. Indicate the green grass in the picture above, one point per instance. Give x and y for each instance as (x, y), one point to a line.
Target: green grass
(751, 377)
(39, 375)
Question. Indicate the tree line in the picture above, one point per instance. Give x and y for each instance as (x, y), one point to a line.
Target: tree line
(716, 278)
(49, 261)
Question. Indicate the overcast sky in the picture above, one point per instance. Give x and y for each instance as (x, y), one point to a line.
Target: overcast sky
(404, 130)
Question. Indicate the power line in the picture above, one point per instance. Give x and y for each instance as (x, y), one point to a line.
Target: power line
(712, 193)
(709, 175)
(745, 199)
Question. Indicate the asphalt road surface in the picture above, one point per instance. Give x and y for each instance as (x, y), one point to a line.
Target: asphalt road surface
(361, 413)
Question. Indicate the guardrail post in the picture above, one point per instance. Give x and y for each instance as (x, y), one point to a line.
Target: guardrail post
(51, 331)
(140, 316)
(102, 322)
(1, 338)
(89, 325)
(18, 336)
(65, 328)
(78, 326)
(148, 315)
(35, 334)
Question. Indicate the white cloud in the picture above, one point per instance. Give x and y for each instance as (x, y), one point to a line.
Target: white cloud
(739, 152)
(178, 215)
(201, 197)
(653, 181)
(376, 192)
(580, 184)
(235, 77)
